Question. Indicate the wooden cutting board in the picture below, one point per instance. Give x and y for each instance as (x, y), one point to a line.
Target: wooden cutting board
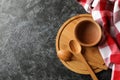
(92, 55)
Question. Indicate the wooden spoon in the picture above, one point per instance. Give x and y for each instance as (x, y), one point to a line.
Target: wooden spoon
(75, 48)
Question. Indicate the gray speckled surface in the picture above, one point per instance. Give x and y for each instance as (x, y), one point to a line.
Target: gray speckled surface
(27, 40)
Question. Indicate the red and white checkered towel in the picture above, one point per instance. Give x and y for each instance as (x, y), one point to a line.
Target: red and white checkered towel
(107, 14)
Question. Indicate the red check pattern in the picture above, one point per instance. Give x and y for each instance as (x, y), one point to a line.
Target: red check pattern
(107, 14)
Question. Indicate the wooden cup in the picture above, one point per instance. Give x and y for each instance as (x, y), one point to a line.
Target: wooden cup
(87, 32)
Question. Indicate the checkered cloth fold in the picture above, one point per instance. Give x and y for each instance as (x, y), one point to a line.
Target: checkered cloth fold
(107, 14)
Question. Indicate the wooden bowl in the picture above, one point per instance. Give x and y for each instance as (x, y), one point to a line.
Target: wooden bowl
(88, 32)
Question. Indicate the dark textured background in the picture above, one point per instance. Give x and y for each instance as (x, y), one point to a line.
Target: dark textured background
(27, 40)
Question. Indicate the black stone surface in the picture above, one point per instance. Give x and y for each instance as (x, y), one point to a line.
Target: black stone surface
(27, 40)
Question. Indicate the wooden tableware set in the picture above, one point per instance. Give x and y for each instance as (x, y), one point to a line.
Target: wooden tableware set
(76, 45)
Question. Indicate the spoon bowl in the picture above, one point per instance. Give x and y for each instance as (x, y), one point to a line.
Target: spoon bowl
(64, 55)
(74, 47)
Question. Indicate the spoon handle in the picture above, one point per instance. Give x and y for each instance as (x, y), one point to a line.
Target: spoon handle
(80, 56)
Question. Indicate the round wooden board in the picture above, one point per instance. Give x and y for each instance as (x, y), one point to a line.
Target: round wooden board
(92, 55)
